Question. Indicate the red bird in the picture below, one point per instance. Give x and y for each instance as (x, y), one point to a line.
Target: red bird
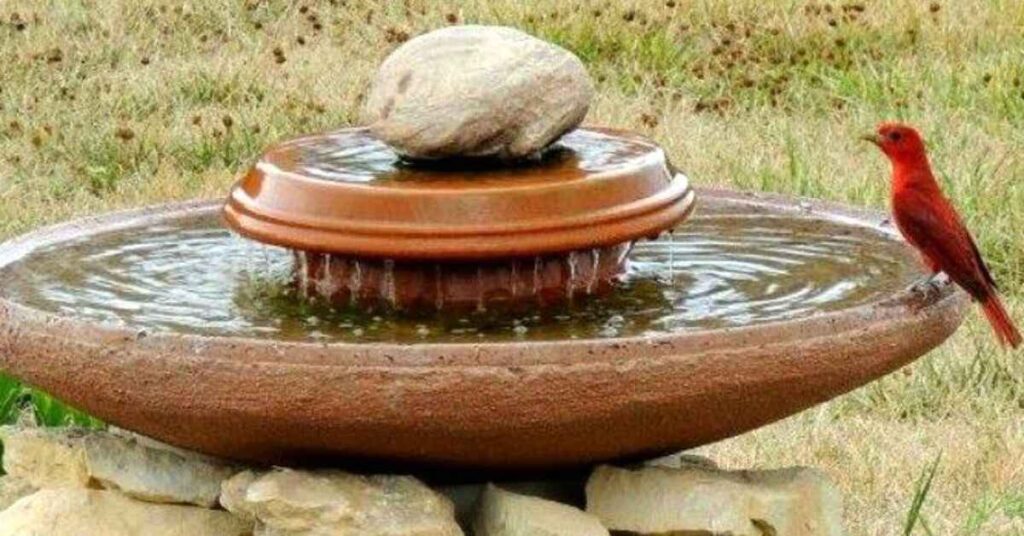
(930, 223)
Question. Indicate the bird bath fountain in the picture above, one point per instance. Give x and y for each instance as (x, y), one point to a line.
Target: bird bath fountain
(162, 321)
(345, 305)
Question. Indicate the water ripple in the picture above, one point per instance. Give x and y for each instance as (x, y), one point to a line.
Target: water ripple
(720, 269)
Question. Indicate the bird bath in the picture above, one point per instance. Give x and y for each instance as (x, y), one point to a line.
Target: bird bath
(558, 340)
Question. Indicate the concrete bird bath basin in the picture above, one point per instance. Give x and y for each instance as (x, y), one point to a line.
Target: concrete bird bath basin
(759, 307)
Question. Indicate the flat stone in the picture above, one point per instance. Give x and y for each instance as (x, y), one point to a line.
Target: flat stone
(154, 474)
(91, 512)
(661, 500)
(233, 495)
(287, 502)
(61, 457)
(45, 457)
(565, 489)
(477, 91)
(13, 488)
(503, 513)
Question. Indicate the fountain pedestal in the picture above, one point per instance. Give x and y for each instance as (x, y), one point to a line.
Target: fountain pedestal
(515, 285)
(373, 231)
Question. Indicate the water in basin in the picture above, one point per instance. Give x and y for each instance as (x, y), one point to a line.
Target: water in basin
(730, 265)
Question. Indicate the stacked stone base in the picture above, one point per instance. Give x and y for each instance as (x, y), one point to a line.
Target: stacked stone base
(65, 482)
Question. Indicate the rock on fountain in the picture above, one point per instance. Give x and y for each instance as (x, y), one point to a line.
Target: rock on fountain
(477, 91)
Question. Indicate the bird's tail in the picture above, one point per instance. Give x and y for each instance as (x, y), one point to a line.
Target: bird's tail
(1001, 322)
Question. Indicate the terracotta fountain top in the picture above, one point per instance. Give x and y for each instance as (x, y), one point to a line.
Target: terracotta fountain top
(345, 192)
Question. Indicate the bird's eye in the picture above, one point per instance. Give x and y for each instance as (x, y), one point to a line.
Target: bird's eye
(895, 136)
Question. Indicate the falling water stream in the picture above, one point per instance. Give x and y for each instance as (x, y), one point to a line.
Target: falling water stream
(724, 267)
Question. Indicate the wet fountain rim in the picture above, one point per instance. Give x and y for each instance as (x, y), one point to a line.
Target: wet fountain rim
(897, 308)
(552, 207)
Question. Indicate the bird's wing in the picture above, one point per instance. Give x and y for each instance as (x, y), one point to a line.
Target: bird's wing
(933, 226)
(980, 259)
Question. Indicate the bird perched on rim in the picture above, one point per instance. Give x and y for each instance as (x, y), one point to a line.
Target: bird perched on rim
(929, 222)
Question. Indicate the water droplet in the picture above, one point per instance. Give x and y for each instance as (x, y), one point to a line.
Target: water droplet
(326, 286)
(671, 256)
(303, 274)
(355, 282)
(438, 288)
(595, 262)
(571, 286)
(515, 278)
(390, 293)
(536, 275)
(480, 305)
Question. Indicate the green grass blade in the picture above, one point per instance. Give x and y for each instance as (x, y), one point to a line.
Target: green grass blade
(921, 489)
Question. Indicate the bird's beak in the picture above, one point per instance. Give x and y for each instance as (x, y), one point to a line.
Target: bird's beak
(874, 137)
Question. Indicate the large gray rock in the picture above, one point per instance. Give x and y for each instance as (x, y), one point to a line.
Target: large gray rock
(61, 457)
(502, 513)
(154, 474)
(700, 500)
(286, 502)
(90, 512)
(477, 91)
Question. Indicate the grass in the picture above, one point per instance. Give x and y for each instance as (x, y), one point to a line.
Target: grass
(921, 489)
(117, 103)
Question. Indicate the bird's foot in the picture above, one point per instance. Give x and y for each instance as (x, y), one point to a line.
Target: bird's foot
(927, 290)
